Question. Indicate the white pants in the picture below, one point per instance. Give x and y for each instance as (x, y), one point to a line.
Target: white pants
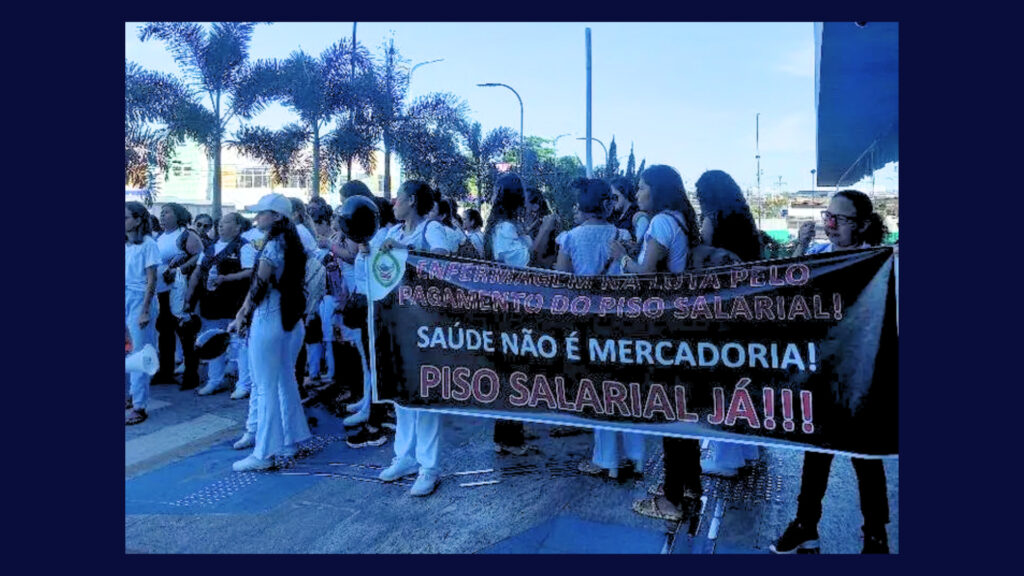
(281, 420)
(607, 451)
(418, 437)
(731, 454)
(140, 337)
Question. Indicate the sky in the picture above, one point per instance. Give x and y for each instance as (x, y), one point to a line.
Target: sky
(683, 94)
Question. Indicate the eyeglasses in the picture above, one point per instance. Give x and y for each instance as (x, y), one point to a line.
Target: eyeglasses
(831, 219)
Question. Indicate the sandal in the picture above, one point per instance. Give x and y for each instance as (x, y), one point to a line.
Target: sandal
(650, 507)
(128, 404)
(588, 467)
(135, 416)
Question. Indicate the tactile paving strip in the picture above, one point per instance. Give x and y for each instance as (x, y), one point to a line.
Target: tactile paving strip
(236, 482)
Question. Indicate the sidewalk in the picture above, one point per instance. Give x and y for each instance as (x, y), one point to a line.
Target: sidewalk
(182, 497)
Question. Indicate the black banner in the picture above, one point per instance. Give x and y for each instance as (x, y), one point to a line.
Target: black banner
(796, 352)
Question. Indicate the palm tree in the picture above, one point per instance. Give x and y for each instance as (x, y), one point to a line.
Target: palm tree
(428, 141)
(281, 149)
(316, 89)
(158, 114)
(484, 152)
(392, 85)
(214, 65)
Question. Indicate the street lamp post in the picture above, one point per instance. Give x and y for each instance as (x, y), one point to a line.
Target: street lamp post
(422, 64)
(521, 140)
(602, 147)
(554, 143)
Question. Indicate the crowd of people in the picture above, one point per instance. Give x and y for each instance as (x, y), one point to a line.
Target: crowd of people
(249, 280)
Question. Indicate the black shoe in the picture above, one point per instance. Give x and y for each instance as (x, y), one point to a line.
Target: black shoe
(164, 378)
(796, 538)
(876, 541)
(189, 383)
(365, 438)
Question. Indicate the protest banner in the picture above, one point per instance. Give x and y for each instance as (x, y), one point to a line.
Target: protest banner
(796, 352)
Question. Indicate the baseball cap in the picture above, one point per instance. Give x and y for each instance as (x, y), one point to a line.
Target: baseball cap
(275, 203)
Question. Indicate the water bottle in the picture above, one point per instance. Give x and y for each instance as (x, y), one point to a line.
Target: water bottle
(209, 279)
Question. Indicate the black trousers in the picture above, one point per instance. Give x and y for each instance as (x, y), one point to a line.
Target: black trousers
(682, 468)
(874, 501)
(509, 433)
(168, 328)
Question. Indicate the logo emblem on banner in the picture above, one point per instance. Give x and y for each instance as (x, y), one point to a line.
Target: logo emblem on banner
(386, 271)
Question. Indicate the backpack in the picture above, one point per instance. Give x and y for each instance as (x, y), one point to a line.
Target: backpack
(315, 284)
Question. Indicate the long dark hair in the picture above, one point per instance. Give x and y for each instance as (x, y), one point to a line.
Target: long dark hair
(387, 212)
(509, 199)
(668, 193)
(721, 200)
(138, 210)
(624, 219)
(293, 276)
(876, 230)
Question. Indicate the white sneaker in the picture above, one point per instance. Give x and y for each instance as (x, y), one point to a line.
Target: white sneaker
(425, 483)
(239, 393)
(356, 419)
(354, 407)
(250, 463)
(399, 467)
(248, 440)
(211, 388)
(710, 468)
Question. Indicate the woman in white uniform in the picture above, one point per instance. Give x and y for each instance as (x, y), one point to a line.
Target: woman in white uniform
(472, 224)
(224, 269)
(141, 258)
(585, 250)
(418, 432)
(276, 303)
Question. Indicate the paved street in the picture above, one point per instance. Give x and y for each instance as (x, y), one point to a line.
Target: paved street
(182, 497)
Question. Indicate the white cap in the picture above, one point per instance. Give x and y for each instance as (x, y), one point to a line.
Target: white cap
(275, 203)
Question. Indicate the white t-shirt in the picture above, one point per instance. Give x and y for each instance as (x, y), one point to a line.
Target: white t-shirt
(307, 238)
(640, 223)
(453, 238)
(477, 238)
(428, 236)
(247, 254)
(256, 237)
(666, 231)
(509, 246)
(167, 243)
(138, 257)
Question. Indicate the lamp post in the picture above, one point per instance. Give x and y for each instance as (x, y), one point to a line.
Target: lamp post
(813, 172)
(554, 143)
(602, 147)
(521, 141)
(422, 64)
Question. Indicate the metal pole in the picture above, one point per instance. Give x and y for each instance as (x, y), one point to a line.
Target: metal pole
(757, 151)
(590, 159)
(603, 147)
(522, 147)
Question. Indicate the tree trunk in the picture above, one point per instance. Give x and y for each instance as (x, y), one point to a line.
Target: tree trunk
(316, 162)
(387, 171)
(216, 181)
(348, 166)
